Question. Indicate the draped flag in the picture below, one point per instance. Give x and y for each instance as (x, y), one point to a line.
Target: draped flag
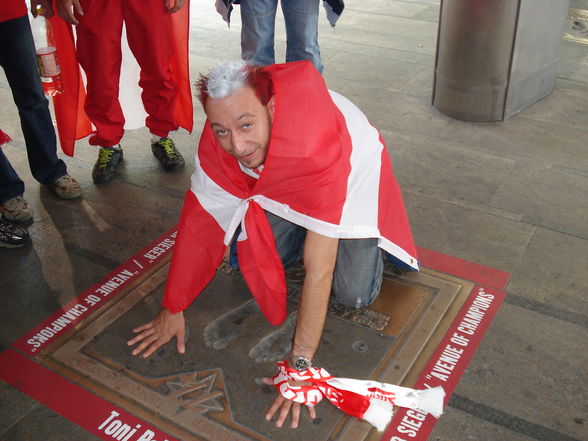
(72, 121)
(327, 170)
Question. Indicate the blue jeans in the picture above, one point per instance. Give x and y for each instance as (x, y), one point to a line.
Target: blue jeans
(358, 273)
(18, 59)
(257, 33)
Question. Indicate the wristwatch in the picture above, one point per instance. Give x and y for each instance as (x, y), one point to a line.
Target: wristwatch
(299, 362)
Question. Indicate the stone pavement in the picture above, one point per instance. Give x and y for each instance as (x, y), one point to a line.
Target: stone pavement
(508, 195)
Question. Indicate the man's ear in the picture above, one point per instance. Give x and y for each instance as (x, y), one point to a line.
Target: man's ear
(271, 107)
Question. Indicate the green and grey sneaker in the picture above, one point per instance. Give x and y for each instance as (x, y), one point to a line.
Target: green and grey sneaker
(11, 236)
(105, 167)
(166, 152)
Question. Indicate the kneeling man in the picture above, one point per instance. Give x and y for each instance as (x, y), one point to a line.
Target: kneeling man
(292, 170)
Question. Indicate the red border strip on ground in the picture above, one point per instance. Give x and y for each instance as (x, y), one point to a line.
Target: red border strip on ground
(97, 295)
(449, 361)
(463, 269)
(96, 415)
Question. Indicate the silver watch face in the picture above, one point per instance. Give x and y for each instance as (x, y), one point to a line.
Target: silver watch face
(300, 363)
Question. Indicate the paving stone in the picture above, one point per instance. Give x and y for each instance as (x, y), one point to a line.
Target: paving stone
(546, 197)
(388, 7)
(378, 73)
(447, 171)
(524, 368)
(59, 276)
(472, 235)
(392, 111)
(543, 275)
(569, 110)
(44, 424)
(521, 138)
(421, 85)
(389, 32)
(14, 405)
(471, 428)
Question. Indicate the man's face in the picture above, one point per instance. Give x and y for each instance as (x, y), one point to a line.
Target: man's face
(242, 125)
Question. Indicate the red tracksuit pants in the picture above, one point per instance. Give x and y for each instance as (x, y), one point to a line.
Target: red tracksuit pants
(150, 37)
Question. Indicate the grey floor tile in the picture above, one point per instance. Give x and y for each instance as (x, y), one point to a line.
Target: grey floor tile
(44, 424)
(392, 111)
(542, 142)
(431, 14)
(14, 406)
(59, 276)
(334, 45)
(546, 197)
(390, 7)
(446, 170)
(390, 32)
(553, 270)
(562, 106)
(458, 425)
(472, 235)
(421, 85)
(524, 368)
(375, 72)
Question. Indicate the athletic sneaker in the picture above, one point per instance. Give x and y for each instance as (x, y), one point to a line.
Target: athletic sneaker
(11, 236)
(66, 187)
(165, 151)
(16, 210)
(105, 167)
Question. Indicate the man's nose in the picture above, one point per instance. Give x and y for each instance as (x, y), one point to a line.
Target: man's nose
(239, 144)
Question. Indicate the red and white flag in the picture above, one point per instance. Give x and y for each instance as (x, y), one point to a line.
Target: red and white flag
(327, 170)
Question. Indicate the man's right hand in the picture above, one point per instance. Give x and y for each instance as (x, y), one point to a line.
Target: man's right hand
(65, 8)
(158, 332)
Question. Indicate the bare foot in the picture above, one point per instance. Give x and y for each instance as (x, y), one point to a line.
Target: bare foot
(277, 345)
(226, 328)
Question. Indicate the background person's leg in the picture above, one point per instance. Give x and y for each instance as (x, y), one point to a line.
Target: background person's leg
(257, 31)
(99, 53)
(301, 18)
(17, 57)
(150, 35)
(10, 183)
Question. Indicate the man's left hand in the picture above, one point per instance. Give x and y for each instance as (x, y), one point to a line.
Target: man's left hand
(41, 7)
(177, 5)
(284, 407)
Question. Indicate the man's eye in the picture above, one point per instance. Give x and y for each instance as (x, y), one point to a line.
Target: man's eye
(221, 132)
(247, 125)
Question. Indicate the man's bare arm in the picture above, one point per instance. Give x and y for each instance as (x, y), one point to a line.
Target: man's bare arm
(320, 256)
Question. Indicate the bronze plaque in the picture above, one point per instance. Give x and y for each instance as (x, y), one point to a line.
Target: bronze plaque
(214, 392)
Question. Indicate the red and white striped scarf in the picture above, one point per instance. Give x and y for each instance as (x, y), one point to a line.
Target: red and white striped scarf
(369, 400)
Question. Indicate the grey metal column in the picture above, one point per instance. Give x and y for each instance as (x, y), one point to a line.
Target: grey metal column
(495, 58)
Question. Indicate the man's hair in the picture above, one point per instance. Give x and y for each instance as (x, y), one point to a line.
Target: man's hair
(226, 78)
